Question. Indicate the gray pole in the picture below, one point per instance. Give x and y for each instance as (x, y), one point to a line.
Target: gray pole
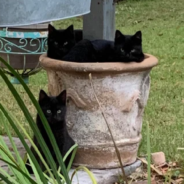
(100, 23)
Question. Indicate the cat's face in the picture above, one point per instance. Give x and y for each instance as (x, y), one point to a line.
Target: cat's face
(54, 108)
(129, 47)
(60, 41)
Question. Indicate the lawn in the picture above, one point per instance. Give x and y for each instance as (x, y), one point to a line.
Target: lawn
(162, 26)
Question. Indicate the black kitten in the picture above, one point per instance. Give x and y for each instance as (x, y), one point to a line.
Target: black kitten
(83, 51)
(61, 41)
(124, 48)
(128, 47)
(54, 109)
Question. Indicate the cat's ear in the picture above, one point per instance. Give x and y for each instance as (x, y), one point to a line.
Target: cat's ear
(119, 36)
(138, 35)
(42, 95)
(51, 29)
(62, 97)
(70, 29)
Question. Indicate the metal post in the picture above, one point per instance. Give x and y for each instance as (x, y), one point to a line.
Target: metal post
(100, 23)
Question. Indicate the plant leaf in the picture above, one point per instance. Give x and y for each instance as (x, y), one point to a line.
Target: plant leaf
(34, 128)
(149, 154)
(32, 143)
(87, 171)
(19, 159)
(23, 142)
(19, 170)
(5, 179)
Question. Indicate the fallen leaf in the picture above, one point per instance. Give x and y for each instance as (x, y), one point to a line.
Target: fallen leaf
(154, 168)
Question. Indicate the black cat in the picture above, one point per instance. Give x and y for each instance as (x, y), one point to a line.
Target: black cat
(54, 109)
(124, 48)
(61, 41)
(83, 51)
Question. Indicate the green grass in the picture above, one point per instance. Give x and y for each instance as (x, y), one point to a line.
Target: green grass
(162, 25)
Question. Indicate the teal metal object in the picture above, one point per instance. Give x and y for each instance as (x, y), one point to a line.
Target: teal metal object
(21, 48)
(14, 80)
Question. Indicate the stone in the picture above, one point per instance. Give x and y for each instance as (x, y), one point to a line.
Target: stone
(158, 159)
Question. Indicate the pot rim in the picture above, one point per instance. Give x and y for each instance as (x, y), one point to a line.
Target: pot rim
(59, 65)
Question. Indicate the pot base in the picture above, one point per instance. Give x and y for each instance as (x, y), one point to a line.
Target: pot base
(105, 157)
(104, 176)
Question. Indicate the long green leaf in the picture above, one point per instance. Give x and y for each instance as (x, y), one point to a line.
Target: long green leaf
(2, 171)
(24, 144)
(32, 124)
(149, 154)
(71, 159)
(73, 149)
(19, 159)
(19, 170)
(6, 154)
(70, 150)
(34, 170)
(5, 179)
(32, 143)
(30, 120)
(90, 174)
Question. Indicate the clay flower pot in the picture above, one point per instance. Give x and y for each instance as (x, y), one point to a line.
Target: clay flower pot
(123, 90)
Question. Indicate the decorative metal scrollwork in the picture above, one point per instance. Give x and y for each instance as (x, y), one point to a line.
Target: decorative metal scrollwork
(23, 42)
(35, 45)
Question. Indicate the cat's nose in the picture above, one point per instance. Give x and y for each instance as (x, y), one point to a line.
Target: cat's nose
(63, 49)
(55, 116)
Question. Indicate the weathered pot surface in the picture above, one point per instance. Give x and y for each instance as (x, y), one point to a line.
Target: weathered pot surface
(122, 89)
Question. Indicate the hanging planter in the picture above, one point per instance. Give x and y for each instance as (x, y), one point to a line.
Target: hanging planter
(123, 90)
(21, 48)
(23, 12)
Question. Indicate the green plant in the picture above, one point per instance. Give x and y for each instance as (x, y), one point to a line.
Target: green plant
(19, 173)
(149, 154)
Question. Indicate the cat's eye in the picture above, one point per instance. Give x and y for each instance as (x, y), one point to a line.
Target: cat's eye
(59, 111)
(48, 111)
(122, 50)
(65, 43)
(133, 50)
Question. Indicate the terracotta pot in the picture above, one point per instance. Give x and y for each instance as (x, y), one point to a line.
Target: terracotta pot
(22, 46)
(122, 89)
